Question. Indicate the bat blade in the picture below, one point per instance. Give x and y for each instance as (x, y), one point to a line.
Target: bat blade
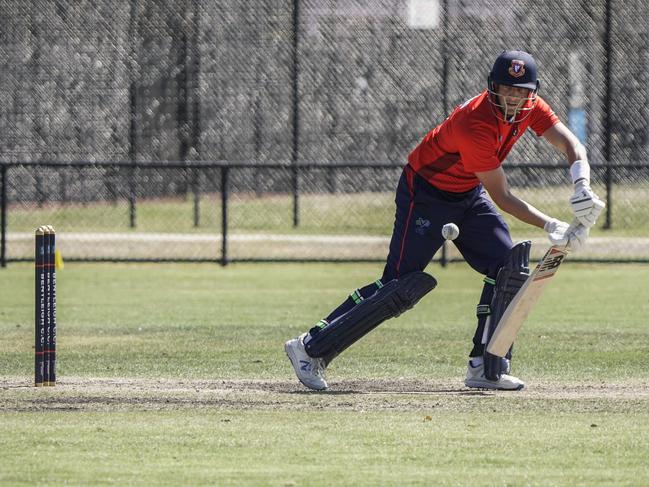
(525, 300)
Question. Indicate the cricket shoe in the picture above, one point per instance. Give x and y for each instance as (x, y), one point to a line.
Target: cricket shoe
(475, 378)
(309, 370)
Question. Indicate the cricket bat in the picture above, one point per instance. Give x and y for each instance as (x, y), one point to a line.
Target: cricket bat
(526, 298)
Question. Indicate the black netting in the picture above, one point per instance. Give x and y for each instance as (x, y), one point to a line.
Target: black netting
(322, 82)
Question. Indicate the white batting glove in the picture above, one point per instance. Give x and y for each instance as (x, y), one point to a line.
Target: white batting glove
(577, 235)
(557, 232)
(560, 233)
(585, 204)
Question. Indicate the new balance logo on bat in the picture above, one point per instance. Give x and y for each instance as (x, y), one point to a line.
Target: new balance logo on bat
(549, 266)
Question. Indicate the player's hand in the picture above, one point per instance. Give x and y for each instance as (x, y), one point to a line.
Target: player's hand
(560, 233)
(577, 235)
(557, 232)
(585, 204)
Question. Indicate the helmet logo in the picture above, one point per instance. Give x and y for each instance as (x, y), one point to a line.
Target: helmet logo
(517, 68)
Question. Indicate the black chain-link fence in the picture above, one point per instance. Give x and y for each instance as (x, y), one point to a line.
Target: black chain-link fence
(295, 82)
(223, 212)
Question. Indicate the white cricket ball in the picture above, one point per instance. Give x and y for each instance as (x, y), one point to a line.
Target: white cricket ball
(450, 231)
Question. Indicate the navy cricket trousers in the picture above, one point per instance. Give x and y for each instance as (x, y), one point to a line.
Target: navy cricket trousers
(422, 210)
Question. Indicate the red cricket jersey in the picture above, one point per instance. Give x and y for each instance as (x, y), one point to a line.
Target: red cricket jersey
(472, 140)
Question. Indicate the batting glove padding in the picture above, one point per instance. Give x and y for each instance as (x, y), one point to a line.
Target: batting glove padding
(585, 204)
(560, 233)
(577, 235)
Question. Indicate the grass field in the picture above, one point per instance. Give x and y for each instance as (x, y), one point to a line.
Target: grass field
(341, 213)
(175, 375)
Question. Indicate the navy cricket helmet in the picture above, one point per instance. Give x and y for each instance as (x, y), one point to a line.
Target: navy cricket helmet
(514, 68)
(517, 69)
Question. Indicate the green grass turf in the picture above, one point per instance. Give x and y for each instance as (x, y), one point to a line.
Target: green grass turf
(323, 448)
(175, 375)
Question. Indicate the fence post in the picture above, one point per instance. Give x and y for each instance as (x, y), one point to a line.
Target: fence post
(40, 191)
(195, 80)
(224, 215)
(188, 117)
(445, 50)
(608, 52)
(608, 222)
(63, 178)
(133, 28)
(111, 175)
(132, 195)
(3, 215)
(445, 55)
(444, 258)
(295, 73)
(196, 190)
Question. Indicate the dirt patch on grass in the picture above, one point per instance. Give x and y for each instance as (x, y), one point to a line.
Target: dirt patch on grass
(99, 394)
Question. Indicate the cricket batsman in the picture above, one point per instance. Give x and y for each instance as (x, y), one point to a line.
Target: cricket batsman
(455, 175)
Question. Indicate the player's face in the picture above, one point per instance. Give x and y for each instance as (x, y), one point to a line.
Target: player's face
(512, 99)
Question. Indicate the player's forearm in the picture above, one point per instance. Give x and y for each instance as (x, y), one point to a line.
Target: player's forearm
(576, 152)
(522, 210)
